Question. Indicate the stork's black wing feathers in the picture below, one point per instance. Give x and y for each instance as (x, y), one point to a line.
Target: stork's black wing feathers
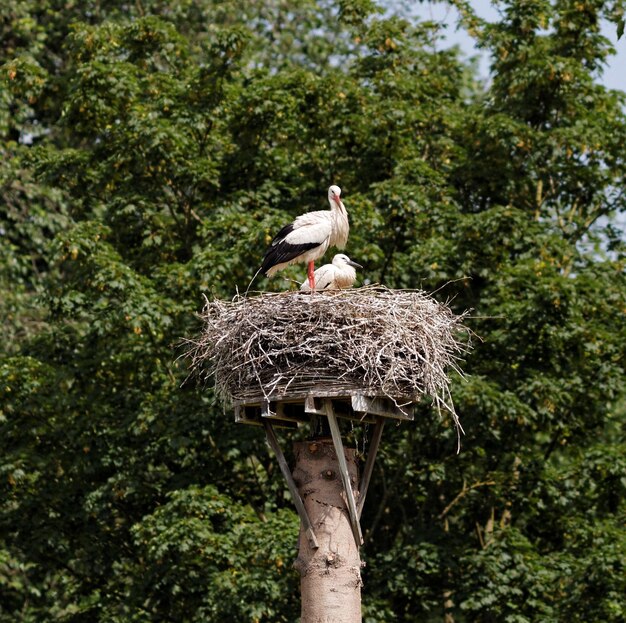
(282, 234)
(281, 251)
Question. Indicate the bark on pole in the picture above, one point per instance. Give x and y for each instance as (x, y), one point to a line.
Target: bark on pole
(330, 576)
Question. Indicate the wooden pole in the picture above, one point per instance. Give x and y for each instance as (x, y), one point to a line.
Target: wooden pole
(330, 576)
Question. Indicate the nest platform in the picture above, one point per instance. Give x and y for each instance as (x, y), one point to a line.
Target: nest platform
(386, 349)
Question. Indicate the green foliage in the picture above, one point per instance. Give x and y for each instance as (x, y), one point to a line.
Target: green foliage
(150, 151)
(208, 557)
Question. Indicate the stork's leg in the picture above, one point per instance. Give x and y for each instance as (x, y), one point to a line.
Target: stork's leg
(312, 276)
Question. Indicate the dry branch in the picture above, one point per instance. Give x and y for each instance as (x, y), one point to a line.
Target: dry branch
(401, 344)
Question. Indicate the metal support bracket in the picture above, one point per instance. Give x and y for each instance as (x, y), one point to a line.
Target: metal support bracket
(293, 489)
(377, 433)
(345, 477)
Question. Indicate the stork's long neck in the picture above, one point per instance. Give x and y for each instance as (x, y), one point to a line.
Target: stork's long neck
(341, 226)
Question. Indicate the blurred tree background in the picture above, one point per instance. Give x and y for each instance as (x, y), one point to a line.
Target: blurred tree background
(150, 149)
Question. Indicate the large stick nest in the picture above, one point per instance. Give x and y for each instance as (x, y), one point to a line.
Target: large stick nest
(396, 343)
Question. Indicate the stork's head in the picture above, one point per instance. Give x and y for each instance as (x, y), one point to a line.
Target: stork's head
(334, 195)
(341, 259)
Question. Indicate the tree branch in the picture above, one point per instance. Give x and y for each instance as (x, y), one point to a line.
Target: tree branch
(462, 493)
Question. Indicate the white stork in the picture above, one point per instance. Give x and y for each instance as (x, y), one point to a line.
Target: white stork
(336, 276)
(308, 237)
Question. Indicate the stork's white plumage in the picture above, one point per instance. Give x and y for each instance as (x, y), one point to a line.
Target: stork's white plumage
(336, 276)
(308, 237)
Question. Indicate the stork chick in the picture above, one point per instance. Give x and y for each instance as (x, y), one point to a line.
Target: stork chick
(309, 237)
(336, 276)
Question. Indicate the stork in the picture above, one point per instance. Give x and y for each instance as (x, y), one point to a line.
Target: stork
(308, 238)
(336, 276)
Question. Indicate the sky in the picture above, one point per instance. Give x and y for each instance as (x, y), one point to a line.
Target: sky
(614, 76)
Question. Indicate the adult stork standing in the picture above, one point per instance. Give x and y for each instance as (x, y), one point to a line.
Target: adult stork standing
(308, 237)
(336, 276)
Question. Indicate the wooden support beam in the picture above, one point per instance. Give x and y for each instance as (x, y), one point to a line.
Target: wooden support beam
(378, 405)
(369, 462)
(343, 469)
(314, 406)
(252, 414)
(266, 410)
(293, 489)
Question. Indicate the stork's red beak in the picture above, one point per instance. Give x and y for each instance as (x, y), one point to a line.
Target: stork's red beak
(337, 199)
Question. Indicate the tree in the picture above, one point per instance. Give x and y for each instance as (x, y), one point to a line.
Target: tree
(152, 149)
